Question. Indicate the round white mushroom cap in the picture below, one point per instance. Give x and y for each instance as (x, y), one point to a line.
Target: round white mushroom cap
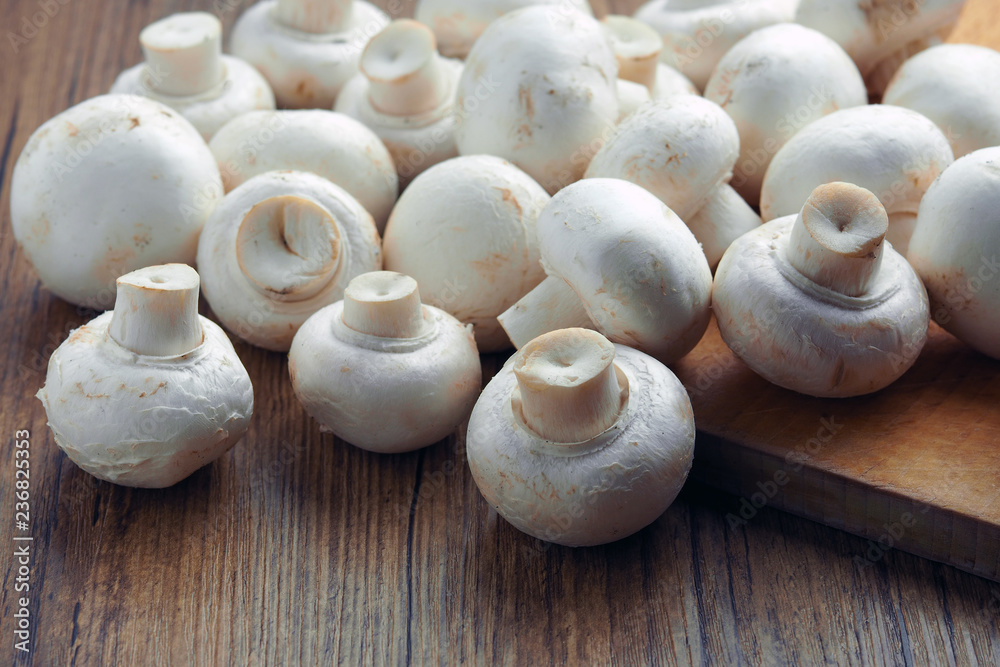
(113, 184)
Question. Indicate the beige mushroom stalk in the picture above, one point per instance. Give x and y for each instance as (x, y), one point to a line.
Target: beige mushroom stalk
(185, 70)
(306, 49)
(818, 302)
(405, 93)
(280, 247)
(381, 370)
(111, 185)
(581, 442)
(149, 392)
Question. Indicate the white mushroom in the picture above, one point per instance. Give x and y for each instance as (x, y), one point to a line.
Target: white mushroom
(956, 246)
(774, 82)
(116, 183)
(465, 230)
(818, 303)
(696, 33)
(280, 247)
(405, 93)
(457, 24)
(581, 442)
(382, 371)
(185, 70)
(955, 85)
(896, 153)
(683, 150)
(539, 89)
(306, 49)
(330, 144)
(619, 260)
(146, 394)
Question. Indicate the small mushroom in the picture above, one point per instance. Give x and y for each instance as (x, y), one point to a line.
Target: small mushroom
(683, 151)
(580, 442)
(774, 82)
(894, 152)
(306, 49)
(955, 85)
(280, 247)
(539, 89)
(956, 246)
(330, 144)
(382, 371)
(405, 93)
(185, 70)
(620, 261)
(113, 184)
(818, 303)
(465, 231)
(149, 392)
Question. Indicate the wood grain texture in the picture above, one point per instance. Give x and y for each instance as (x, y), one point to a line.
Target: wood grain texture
(297, 549)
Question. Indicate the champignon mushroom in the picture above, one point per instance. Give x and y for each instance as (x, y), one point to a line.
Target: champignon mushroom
(457, 24)
(280, 247)
(405, 93)
(894, 152)
(465, 231)
(539, 89)
(113, 184)
(619, 260)
(683, 150)
(149, 392)
(955, 246)
(955, 85)
(774, 82)
(306, 49)
(581, 442)
(185, 70)
(382, 371)
(696, 33)
(818, 303)
(330, 144)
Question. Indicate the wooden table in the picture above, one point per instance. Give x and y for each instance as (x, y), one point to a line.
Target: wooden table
(295, 548)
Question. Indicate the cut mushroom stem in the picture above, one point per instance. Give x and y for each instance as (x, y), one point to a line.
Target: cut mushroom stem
(384, 304)
(836, 240)
(637, 49)
(403, 69)
(551, 305)
(320, 17)
(569, 388)
(183, 54)
(156, 311)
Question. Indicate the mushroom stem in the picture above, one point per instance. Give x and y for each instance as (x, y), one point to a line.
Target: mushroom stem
(551, 305)
(569, 390)
(319, 17)
(384, 304)
(637, 49)
(403, 70)
(183, 54)
(156, 311)
(836, 240)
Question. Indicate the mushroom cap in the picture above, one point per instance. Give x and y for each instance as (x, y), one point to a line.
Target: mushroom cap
(539, 89)
(457, 24)
(115, 183)
(581, 494)
(955, 85)
(772, 83)
(145, 421)
(810, 339)
(305, 70)
(330, 144)
(955, 249)
(894, 152)
(385, 394)
(641, 275)
(243, 90)
(465, 230)
(671, 82)
(264, 283)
